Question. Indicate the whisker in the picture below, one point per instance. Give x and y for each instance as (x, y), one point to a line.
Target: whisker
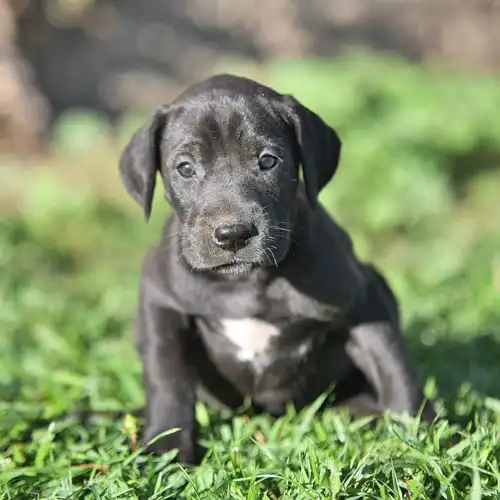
(274, 258)
(284, 229)
(265, 252)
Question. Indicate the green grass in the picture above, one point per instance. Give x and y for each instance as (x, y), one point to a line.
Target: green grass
(418, 190)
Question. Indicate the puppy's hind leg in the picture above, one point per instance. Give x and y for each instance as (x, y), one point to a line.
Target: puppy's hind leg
(377, 348)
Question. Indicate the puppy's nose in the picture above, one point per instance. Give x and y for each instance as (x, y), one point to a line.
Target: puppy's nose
(234, 235)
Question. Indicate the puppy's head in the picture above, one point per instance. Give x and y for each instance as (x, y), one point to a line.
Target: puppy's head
(228, 151)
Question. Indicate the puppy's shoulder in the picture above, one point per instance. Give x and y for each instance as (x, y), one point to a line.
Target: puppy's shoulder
(335, 231)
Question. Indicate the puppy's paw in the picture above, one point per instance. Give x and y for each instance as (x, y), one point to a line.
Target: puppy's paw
(181, 441)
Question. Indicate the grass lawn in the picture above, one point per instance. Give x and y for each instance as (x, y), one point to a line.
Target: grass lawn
(71, 244)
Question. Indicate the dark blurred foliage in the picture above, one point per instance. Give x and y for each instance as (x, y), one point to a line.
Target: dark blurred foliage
(116, 55)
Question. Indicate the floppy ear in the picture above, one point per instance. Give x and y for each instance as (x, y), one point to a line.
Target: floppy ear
(141, 160)
(319, 147)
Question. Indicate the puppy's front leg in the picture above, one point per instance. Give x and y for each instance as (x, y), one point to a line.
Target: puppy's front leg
(377, 348)
(163, 338)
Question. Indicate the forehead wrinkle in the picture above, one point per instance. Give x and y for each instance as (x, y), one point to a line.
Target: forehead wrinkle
(253, 125)
(209, 127)
(217, 131)
(228, 126)
(236, 127)
(232, 121)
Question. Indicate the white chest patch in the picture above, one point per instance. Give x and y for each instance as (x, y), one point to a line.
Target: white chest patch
(251, 336)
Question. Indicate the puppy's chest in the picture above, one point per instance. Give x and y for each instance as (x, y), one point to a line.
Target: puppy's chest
(250, 341)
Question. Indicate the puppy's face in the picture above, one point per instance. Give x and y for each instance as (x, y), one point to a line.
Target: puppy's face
(231, 174)
(228, 151)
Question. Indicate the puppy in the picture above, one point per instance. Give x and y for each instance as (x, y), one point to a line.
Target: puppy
(252, 289)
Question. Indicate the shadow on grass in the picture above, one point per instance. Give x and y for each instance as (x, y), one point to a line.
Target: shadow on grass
(469, 365)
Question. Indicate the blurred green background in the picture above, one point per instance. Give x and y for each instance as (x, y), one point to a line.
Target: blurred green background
(418, 188)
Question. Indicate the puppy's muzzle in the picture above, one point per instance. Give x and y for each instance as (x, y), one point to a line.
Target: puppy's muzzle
(234, 235)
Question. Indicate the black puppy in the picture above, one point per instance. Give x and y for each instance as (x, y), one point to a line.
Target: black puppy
(253, 289)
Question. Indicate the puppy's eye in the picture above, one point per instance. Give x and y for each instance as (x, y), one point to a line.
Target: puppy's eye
(267, 162)
(186, 169)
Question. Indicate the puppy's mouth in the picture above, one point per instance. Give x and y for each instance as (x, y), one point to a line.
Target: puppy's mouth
(235, 268)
